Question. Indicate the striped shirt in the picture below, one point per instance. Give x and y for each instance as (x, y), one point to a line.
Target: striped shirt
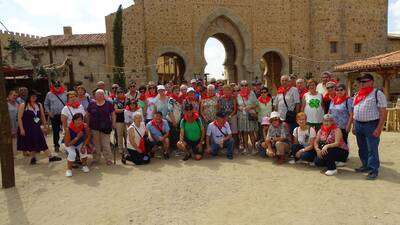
(368, 109)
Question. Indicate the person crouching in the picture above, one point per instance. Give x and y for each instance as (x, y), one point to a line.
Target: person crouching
(159, 133)
(277, 142)
(219, 136)
(77, 138)
(136, 142)
(191, 134)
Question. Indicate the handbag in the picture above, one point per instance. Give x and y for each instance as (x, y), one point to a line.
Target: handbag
(290, 115)
(251, 116)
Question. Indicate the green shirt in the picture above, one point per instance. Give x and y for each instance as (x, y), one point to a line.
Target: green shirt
(192, 130)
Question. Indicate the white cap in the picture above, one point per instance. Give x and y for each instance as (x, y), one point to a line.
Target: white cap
(193, 81)
(190, 90)
(160, 87)
(275, 115)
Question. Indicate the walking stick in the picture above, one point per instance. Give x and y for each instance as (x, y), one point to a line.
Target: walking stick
(115, 146)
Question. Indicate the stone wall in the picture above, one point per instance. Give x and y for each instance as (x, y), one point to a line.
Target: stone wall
(297, 28)
(88, 63)
(5, 36)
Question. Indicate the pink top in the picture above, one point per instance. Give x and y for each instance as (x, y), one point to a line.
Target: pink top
(331, 139)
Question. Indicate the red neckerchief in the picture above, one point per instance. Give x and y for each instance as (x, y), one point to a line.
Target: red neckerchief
(283, 90)
(121, 99)
(151, 95)
(327, 97)
(175, 97)
(362, 94)
(56, 92)
(220, 92)
(264, 100)
(326, 130)
(220, 126)
(112, 96)
(206, 96)
(129, 108)
(76, 129)
(74, 105)
(339, 100)
(244, 94)
(191, 119)
(156, 125)
(142, 97)
(302, 92)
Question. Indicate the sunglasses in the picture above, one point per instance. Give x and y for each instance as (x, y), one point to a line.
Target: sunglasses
(133, 86)
(340, 89)
(364, 81)
(264, 92)
(330, 87)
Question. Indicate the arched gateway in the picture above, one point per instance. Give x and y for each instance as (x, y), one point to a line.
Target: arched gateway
(164, 39)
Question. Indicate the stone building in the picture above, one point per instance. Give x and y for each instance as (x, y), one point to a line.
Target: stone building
(290, 36)
(15, 60)
(87, 52)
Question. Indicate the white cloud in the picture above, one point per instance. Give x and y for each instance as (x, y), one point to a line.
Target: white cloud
(394, 16)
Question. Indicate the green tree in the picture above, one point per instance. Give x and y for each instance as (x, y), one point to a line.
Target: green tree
(119, 75)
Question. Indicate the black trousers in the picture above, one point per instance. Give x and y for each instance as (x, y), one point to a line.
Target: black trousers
(137, 158)
(345, 135)
(334, 155)
(56, 127)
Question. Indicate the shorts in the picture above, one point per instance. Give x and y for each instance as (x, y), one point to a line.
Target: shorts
(233, 123)
(71, 151)
(192, 146)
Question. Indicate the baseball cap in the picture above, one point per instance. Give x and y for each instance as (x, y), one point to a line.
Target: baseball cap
(190, 90)
(265, 121)
(160, 87)
(365, 77)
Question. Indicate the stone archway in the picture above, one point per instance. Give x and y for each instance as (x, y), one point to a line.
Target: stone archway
(170, 50)
(271, 65)
(227, 28)
(170, 67)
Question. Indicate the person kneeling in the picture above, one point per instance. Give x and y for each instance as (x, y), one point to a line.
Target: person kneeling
(159, 133)
(330, 146)
(219, 136)
(136, 142)
(277, 141)
(304, 138)
(77, 138)
(192, 134)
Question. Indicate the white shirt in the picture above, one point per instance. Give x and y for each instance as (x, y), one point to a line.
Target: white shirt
(136, 138)
(69, 112)
(321, 88)
(304, 136)
(292, 98)
(215, 133)
(313, 108)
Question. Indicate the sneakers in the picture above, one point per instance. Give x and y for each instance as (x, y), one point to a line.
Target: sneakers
(68, 173)
(311, 164)
(292, 161)
(362, 169)
(230, 157)
(54, 159)
(187, 157)
(340, 164)
(372, 176)
(85, 169)
(330, 172)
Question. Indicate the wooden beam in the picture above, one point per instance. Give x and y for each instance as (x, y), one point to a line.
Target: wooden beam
(6, 152)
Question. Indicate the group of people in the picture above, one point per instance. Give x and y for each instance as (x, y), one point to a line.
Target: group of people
(302, 121)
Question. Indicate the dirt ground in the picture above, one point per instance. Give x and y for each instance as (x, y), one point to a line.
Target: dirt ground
(247, 190)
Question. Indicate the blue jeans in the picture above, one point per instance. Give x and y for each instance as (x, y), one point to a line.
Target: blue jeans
(368, 144)
(227, 144)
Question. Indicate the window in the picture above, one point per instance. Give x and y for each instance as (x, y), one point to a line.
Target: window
(357, 47)
(334, 46)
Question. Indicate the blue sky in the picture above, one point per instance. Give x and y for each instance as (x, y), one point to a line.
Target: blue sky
(45, 17)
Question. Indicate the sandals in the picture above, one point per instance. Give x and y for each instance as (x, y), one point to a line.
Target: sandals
(166, 155)
(123, 159)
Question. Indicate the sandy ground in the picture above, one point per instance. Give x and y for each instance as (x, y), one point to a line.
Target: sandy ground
(247, 190)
